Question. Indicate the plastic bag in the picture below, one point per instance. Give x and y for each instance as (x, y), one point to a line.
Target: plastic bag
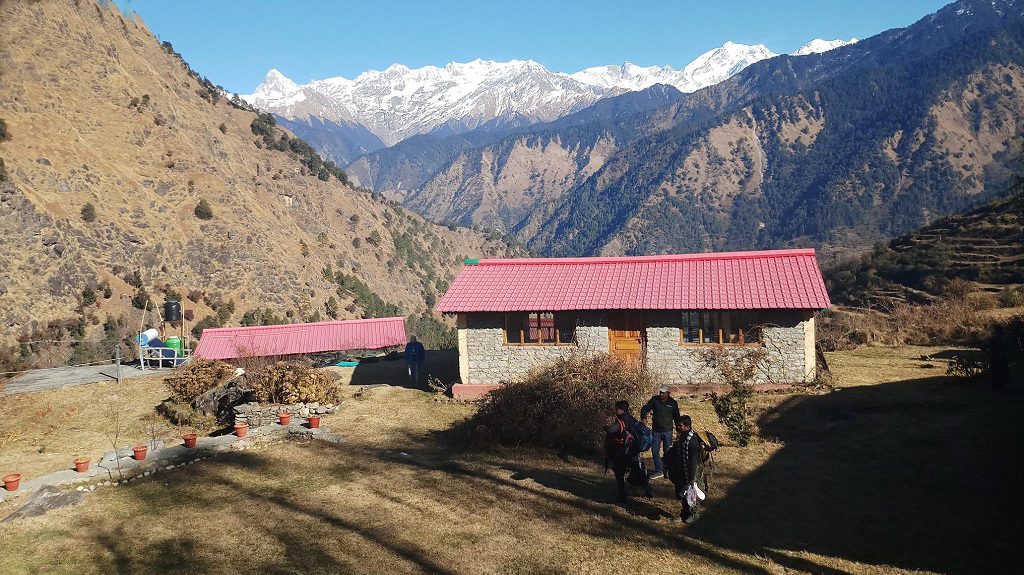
(694, 495)
(700, 494)
(691, 496)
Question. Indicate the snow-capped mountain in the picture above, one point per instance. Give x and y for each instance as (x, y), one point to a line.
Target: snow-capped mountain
(400, 102)
(818, 46)
(707, 69)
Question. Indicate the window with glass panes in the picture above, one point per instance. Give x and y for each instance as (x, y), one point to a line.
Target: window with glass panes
(730, 327)
(540, 328)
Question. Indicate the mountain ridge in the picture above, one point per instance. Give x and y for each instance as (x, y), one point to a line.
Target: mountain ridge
(399, 102)
(836, 150)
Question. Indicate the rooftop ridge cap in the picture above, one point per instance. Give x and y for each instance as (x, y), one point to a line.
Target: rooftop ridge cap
(759, 254)
(302, 324)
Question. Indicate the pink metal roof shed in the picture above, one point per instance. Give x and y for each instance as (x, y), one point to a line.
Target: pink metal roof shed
(773, 279)
(300, 338)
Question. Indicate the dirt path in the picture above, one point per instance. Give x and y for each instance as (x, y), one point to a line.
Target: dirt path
(55, 378)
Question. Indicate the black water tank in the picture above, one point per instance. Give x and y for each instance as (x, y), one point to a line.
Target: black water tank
(172, 311)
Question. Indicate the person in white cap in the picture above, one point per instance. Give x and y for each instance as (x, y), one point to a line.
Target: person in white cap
(666, 415)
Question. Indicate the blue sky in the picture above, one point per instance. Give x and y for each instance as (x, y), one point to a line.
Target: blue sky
(234, 43)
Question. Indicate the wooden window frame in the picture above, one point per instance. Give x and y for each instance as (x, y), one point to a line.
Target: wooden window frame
(720, 343)
(540, 343)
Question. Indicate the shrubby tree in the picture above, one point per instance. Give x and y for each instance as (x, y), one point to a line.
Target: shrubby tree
(203, 210)
(88, 212)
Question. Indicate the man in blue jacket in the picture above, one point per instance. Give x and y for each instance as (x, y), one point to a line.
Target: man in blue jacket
(414, 356)
(666, 415)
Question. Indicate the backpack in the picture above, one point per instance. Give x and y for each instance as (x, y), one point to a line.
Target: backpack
(642, 438)
(707, 458)
(709, 442)
(631, 440)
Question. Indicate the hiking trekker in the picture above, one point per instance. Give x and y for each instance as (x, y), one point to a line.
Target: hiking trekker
(624, 442)
(684, 466)
(414, 356)
(666, 414)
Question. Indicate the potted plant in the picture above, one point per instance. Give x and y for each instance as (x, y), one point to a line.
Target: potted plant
(81, 464)
(190, 440)
(139, 451)
(12, 481)
(284, 418)
(241, 429)
(314, 421)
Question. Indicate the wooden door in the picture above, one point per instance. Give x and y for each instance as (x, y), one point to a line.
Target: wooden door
(626, 335)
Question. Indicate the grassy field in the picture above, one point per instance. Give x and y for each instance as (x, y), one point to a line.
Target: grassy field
(43, 432)
(900, 469)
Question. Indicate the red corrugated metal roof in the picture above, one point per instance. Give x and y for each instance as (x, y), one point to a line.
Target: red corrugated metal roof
(787, 279)
(300, 338)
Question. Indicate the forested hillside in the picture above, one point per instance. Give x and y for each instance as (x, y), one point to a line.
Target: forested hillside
(836, 149)
(984, 246)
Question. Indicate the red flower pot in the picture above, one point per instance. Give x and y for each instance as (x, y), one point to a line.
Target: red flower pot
(12, 481)
(241, 429)
(314, 421)
(82, 464)
(139, 452)
(190, 440)
(284, 418)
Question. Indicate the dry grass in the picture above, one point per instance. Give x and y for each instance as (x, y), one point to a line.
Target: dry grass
(43, 432)
(404, 495)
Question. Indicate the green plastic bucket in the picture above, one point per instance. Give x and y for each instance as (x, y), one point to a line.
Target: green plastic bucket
(174, 342)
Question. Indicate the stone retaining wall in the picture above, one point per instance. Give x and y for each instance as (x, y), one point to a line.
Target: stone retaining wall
(258, 415)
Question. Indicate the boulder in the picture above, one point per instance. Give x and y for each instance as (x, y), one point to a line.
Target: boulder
(220, 401)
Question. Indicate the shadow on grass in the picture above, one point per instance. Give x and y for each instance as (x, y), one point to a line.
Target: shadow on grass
(919, 474)
(442, 364)
(915, 475)
(312, 536)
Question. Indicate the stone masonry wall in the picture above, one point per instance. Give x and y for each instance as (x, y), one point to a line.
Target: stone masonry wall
(488, 361)
(258, 415)
(491, 362)
(783, 337)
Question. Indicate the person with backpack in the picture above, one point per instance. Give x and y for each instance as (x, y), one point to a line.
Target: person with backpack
(625, 439)
(666, 413)
(688, 464)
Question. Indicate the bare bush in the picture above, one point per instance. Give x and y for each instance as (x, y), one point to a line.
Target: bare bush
(198, 377)
(947, 321)
(737, 368)
(564, 404)
(290, 382)
(840, 329)
(942, 322)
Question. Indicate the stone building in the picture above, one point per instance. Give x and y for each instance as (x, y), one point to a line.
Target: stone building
(666, 311)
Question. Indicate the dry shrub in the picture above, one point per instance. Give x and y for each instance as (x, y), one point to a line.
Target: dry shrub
(197, 377)
(942, 322)
(290, 382)
(565, 404)
(738, 369)
(946, 321)
(840, 329)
